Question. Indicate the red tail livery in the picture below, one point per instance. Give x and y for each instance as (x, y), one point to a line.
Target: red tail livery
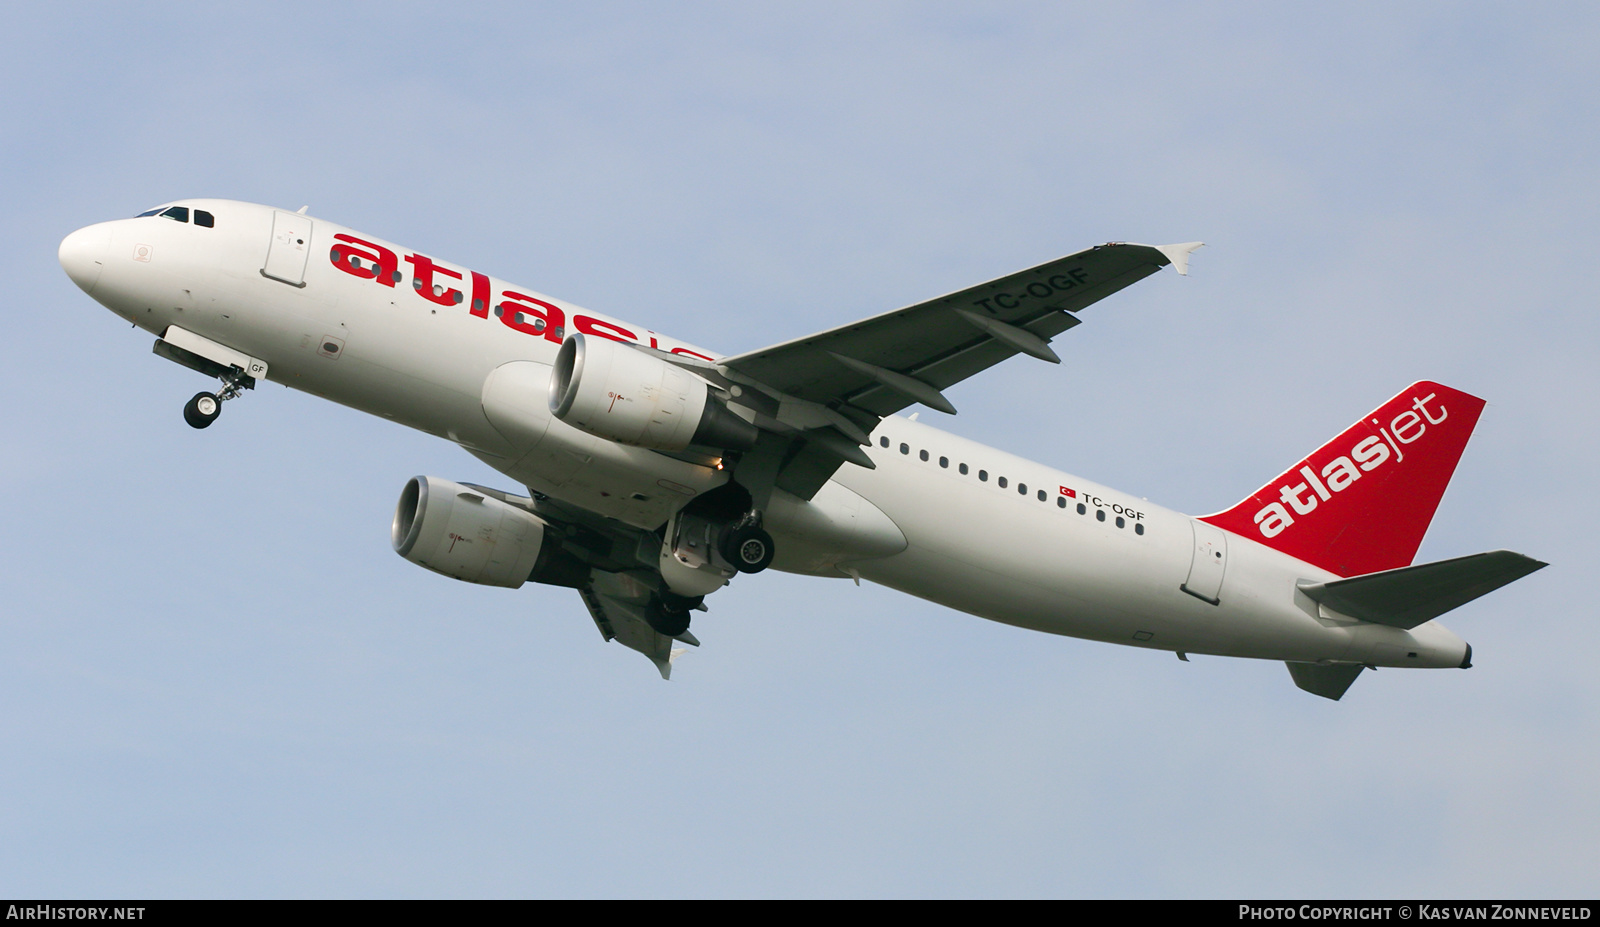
(1363, 501)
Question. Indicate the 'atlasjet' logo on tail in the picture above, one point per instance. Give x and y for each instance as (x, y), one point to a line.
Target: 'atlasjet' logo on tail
(1343, 471)
(1388, 472)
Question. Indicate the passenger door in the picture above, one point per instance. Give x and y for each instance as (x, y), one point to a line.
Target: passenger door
(1208, 563)
(290, 245)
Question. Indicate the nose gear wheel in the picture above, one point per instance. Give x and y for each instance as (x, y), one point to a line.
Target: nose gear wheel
(204, 408)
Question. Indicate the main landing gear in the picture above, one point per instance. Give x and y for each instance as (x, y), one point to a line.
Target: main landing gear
(747, 547)
(703, 547)
(668, 613)
(204, 408)
(744, 545)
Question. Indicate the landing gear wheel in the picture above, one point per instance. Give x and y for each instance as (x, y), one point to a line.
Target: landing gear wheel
(749, 549)
(666, 621)
(202, 410)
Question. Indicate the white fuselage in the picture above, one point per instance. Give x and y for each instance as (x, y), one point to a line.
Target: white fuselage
(1094, 563)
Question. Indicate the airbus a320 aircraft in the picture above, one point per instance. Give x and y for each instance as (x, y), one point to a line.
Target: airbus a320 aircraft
(656, 470)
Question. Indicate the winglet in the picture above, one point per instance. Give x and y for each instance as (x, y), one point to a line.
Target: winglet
(665, 665)
(1179, 254)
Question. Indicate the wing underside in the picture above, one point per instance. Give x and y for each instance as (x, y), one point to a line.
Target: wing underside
(855, 375)
(617, 602)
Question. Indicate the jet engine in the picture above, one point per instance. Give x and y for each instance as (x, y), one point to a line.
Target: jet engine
(618, 392)
(465, 534)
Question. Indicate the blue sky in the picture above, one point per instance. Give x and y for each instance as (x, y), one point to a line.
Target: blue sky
(217, 680)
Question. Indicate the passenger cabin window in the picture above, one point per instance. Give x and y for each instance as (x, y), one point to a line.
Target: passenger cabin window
(177, 214)
(1043, 495)
(204, 219)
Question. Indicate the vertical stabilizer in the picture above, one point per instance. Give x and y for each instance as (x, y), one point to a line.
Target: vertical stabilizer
(1362, 502)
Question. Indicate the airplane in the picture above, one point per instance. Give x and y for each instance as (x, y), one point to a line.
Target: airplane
(657, 471)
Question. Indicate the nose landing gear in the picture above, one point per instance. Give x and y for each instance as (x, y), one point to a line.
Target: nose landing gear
(204, 408)
(237, 371)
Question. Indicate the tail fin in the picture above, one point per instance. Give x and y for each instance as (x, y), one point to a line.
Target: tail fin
(1362, 502)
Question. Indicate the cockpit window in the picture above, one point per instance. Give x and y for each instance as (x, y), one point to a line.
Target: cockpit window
(177, 214)
(148, 212)
(204, 219)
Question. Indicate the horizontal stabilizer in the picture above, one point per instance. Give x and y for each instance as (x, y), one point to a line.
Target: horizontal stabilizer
(1326, 681)
(1409, 596)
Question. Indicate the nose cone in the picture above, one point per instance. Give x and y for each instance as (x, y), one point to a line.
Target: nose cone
(83, 254)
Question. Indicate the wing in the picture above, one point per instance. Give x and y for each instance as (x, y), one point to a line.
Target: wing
(616, 603)
(613, 567)
(816, 399)
(943, 341)
(847, 379)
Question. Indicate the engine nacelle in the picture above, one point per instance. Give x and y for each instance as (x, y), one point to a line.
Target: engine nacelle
(464, 534)
(623, 394)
